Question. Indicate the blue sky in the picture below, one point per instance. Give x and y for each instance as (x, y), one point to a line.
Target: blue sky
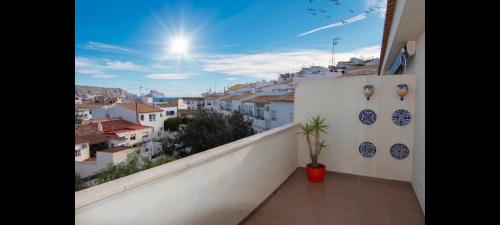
(127, 43)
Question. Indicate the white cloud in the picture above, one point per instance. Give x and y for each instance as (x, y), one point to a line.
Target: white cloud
(123, 66)
(231, 78)
(268, 65)
(337, 24)
(167, 76)
(106, 47)
(101, 68)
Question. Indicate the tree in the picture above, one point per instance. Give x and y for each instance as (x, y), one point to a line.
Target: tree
(172, 124)
(210, 129)
(239, 126)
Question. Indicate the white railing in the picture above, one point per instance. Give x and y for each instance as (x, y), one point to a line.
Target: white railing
(223, 185)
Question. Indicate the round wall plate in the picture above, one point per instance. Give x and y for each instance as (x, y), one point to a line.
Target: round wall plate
(367, 149)
(401, 117)
(367, 116)
(399, 151)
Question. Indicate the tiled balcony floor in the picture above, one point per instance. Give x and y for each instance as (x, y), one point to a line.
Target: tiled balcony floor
(342, 199)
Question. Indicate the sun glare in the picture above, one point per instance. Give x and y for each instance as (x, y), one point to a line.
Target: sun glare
(179, 45)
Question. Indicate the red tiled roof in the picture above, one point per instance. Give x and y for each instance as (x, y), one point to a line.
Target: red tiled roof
(86, 133)
(115, 149)
(273, 98)
(141, 107)
(237, 87)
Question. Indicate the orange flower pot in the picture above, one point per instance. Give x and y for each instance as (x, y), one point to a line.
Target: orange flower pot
(316, 175)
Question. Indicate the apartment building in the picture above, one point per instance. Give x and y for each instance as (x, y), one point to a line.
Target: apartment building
(190, 103)
(269, 111)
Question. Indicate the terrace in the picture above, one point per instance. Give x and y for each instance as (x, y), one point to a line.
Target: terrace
(260, 179)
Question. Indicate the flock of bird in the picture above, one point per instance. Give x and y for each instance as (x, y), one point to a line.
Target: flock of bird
(315, 12)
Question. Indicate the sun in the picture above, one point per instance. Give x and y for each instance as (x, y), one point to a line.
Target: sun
(179, 45)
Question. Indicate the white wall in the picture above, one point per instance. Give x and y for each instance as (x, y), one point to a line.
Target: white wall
(157, 124)
(284, 111)
(84, 151)
(339, 101)
(114, 111)
(85, 169)
(222, 185)
(417, 66)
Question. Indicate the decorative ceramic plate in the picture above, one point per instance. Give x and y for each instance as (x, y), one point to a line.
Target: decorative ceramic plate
(399, 151)
(367, 116)
(367, 149)
(401, 117)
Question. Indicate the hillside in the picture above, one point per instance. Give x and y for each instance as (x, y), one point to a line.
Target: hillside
(108, 92)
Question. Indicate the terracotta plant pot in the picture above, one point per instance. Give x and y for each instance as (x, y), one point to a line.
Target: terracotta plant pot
(316, 175)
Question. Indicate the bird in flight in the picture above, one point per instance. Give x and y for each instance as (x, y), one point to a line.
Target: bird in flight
(311, 1)
(311, 9)
(328, 17)
(322, 10)
(352, 11)
(366, 11)
(314, 13)
(343, 22)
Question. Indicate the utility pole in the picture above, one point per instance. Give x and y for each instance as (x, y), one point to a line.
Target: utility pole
(334, 42)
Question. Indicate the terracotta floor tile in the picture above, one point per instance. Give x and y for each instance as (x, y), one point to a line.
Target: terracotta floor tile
(341, 199)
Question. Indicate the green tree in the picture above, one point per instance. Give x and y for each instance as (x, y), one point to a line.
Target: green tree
(210, 129)
(172, 124)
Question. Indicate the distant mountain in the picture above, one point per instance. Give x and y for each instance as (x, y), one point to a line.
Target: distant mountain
(154, 93)
(108, 92)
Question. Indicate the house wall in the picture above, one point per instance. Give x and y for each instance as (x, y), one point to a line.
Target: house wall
(417, 66)
(84, 152)
(86, 169)
(222, 185)
(339, 101)
(114, 111)
(157, 124)
(284, 113)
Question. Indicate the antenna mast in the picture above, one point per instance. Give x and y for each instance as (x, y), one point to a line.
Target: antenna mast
(334, 42)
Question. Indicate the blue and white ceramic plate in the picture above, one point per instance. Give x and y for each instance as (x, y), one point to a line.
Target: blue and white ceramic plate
(399, 151)
(401, 117)
(367, 149)
(367, 116)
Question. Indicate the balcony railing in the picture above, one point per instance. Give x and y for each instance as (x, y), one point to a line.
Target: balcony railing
(223, 184)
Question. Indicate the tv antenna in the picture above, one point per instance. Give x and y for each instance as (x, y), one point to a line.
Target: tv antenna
(334, 42)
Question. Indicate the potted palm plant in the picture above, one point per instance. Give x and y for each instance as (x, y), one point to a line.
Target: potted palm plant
(316, 125)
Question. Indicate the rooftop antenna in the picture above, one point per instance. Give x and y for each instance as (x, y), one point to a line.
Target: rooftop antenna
(334, 42)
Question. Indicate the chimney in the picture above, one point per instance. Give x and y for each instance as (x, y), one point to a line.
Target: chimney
(99, 126)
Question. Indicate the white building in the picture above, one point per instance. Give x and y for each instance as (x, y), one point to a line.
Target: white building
(143, 114)
(190, 103)
(169, 108)
(112, 139)
(83, 111)
(269, 111)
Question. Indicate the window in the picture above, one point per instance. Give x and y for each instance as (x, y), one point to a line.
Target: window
(107, 116)
(77, 153)
(152, 117)
(273, 115)
(159, 134)
(172, 112)
(259, 109)
(112, 145)
(209, 103)
(161, 114)
(142, 117)
(132, 137)
(145, 136)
